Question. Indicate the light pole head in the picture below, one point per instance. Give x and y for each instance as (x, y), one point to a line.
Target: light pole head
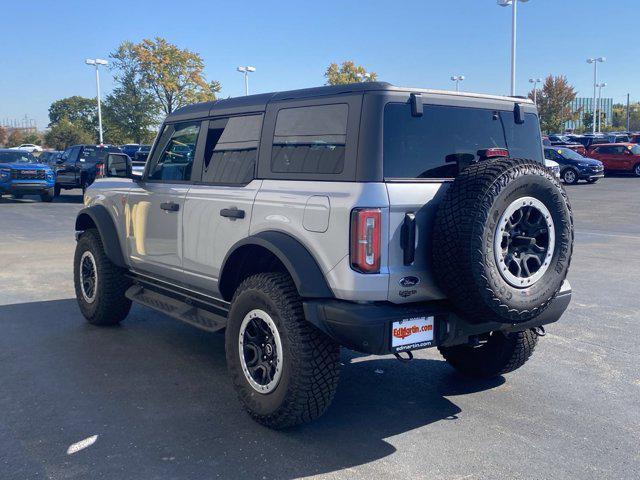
(100, 61)
(251, 69)
(601, 59)
(508, 3)
(246, 69)
(90, 61)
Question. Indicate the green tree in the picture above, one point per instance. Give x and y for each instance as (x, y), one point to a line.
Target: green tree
(78, 110)
(348, 72)
(554, 103)
(175, 76)
(15, 138)
(33, 137)
(587, 121)
(620, 116)
(3, 135)
(131, 110)
(65, 133)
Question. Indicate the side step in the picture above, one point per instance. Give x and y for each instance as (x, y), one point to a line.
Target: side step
(181, 309)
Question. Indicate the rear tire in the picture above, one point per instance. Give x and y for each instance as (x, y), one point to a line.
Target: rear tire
(100, 284)
(283, 378)
(636, 170)
(502, 353)
(569, 176)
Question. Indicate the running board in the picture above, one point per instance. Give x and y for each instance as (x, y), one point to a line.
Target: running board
(182, 309)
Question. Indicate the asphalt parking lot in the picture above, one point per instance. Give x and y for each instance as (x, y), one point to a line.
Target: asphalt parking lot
(151, 398)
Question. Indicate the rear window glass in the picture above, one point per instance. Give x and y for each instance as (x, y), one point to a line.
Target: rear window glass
(446, 139)
(95, 154)
(310, 139)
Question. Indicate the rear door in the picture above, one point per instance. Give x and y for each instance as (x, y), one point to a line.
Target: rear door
(67, 171)
(218, 207)
(421, 156)
(156, 203)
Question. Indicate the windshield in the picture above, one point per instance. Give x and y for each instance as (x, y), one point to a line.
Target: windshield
(94, 154)
(17, 157)
(446, 139)
(570, 154)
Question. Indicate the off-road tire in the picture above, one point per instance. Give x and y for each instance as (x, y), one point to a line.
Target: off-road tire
(310, 363)
(110, 305)
(502, 353)
(47, 196)
(464, 262)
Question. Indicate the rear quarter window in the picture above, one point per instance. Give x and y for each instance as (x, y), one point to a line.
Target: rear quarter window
(310, 139)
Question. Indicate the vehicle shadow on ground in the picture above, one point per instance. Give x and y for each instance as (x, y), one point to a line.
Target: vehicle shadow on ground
(157, 395)
(70, 198)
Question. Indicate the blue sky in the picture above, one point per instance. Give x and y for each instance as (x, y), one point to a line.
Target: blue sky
(43, 44)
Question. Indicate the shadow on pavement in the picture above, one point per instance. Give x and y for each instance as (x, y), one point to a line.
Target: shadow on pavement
(156, 394)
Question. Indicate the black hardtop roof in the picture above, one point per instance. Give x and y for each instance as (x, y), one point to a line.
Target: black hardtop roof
(258, 103)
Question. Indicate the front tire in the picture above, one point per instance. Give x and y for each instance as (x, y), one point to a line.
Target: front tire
(48, 195)
(285, 371)
(501, 353)
(100, 285)
(636, 170)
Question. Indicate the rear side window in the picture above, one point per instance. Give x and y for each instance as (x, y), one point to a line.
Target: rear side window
(446, 139)
(232, 150)
(310, 139)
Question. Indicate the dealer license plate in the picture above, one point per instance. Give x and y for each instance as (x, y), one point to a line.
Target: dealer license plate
(412, 333)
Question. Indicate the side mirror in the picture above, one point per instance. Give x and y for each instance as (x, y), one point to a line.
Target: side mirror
(118, 165)
(59, 161)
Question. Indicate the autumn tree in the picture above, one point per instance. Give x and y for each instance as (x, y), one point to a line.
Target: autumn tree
(65, 133)
(348, 72)
(554, 103)
(15, 138)
(175, 76)
(3, 135)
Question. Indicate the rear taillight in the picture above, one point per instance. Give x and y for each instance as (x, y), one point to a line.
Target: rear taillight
(493, 153)
(100, 169)
(365, 240)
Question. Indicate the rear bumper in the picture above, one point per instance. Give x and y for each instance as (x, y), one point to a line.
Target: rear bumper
(366, 327)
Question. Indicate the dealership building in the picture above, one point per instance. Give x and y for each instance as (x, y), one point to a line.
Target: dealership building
(584, 105)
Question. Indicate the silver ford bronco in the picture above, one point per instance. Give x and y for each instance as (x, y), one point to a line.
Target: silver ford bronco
(377, 218)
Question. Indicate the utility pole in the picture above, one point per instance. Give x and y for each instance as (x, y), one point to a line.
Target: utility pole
(628, 115)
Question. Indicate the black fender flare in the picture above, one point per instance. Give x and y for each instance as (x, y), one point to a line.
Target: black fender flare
(301, 265)
(99, 216)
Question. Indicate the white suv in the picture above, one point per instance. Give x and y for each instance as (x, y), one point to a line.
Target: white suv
(368, 216)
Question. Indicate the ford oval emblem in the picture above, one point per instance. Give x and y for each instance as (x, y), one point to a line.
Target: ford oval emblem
(409, 281)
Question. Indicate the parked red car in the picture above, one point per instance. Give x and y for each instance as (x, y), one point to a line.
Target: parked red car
(618, 157)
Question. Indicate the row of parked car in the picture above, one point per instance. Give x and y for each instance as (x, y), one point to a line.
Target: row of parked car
(24, 173)
(588, 157)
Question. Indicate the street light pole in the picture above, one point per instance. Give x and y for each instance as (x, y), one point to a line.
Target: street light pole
(600, 87)
(245, 71)
(595, 62)
(514, 25)
(96, 62)
(457, 79)
(535, 82)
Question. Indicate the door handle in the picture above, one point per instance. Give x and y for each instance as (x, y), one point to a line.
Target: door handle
(232, 212)
(408, 238)
(170, 206)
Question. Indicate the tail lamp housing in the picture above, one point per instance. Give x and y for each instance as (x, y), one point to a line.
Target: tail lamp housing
(366, 230)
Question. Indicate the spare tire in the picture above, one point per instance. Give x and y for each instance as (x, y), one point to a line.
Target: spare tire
(503, 239)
